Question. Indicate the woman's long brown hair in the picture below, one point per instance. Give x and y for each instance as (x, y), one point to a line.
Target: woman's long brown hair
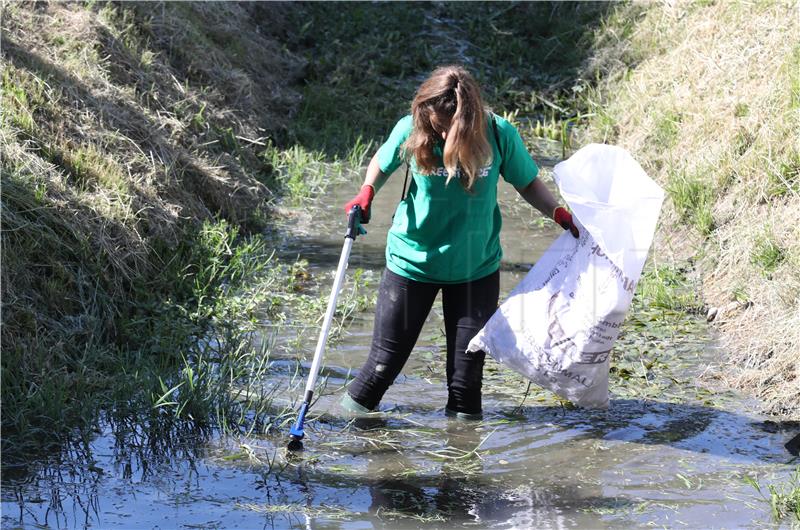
(451, 96)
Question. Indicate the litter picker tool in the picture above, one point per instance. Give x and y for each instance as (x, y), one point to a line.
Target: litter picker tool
(354, 219)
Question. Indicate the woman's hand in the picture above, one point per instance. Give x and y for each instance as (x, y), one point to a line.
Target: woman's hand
(364, 200)
(562, 217)
(537, 195)
(372, 183)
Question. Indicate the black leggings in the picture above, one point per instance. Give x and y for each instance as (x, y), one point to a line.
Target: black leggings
(403, 305)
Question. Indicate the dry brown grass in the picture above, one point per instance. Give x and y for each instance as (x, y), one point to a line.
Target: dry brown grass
(131, 161)
(714, 99)
(123, 126)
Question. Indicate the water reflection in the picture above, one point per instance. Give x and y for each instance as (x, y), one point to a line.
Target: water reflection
(71, 489)
(404, 492)
(538, 466)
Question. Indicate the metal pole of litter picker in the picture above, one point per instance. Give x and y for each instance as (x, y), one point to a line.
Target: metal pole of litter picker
(353, 229)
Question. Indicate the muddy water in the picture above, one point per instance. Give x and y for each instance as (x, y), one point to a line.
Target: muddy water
(665, 454)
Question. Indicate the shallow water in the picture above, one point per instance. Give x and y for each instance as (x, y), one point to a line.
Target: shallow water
(666, 453)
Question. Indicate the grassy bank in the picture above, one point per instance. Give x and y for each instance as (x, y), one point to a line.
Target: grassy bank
(133, 178)
(712, 113)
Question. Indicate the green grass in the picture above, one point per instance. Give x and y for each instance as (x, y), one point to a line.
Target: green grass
(668, 287)
(27, 99)
(767, 255)
(362, 76)
(742, 141)
(786, 179)
(667, 128)
(783, 499)
(23, 95)
(220, 384)
(130, 33)
(359, 78)
(56, 379)
(304, 174)
(693, 197)
(299, 171)
(794, 79)
(741, 110)
(740, 294)
(91, 167)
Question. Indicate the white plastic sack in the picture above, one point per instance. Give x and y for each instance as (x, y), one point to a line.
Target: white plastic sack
(558, 326)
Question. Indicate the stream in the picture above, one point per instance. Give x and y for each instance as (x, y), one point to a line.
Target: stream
(667, 453)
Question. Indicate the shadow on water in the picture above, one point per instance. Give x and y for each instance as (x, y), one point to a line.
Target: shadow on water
(457, 499)
(684, 426)
(531, 468)
(481, 486)
(143, 441)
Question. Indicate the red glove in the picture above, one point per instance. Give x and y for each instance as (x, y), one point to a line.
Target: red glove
(564, 218)
(363, 199)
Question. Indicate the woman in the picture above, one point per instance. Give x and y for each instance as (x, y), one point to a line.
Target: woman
(445, 233)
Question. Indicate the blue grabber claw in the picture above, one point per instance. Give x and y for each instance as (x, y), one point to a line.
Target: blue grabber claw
(296, 432)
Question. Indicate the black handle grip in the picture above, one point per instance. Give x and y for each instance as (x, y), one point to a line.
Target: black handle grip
(354, 220)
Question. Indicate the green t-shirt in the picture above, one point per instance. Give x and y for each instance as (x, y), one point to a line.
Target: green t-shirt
(442, 233)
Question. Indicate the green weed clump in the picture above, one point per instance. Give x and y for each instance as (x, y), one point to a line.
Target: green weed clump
(767, 255)
(303, 174)
(668, 287)
(693, 198)
(22, 97)
(741, 110)
(219, 384)
(667, 128)
(783, 499)
(785, 179)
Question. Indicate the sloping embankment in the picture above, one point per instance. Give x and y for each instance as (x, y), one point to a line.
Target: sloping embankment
(708, 99)
(124, 126)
